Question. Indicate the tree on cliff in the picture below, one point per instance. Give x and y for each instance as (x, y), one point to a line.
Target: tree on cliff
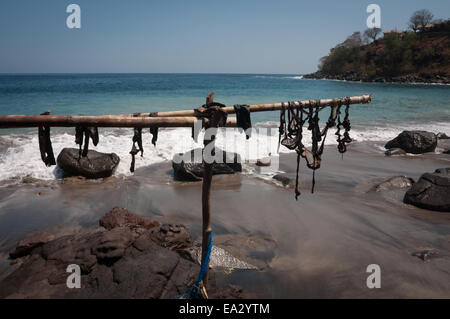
(420, 19)
(372, 33)
(353, 41)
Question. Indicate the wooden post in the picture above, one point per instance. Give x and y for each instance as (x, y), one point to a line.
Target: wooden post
(206, 198)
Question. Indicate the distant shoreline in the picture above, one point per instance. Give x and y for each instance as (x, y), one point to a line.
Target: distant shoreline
(406, 79)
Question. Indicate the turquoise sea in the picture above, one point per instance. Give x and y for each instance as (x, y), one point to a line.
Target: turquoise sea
(395, 107)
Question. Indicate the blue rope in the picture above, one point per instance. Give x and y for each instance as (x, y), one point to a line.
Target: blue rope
(194, 292)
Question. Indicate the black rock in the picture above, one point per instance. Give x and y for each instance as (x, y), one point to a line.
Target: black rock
(188, 168)
(442, 136)
(285, 179)
(415, 142)
(431, 191)
(94, 165)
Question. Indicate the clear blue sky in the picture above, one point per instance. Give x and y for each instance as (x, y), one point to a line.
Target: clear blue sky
(226, 36)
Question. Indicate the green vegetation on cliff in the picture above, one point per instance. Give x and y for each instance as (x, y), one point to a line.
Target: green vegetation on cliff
(406, 56)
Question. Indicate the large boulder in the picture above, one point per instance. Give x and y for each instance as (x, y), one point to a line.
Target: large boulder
(187, 167)
(431, 191)
(414, 142)
(94, 165)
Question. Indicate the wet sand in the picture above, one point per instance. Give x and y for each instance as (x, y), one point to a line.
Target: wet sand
(317, 247)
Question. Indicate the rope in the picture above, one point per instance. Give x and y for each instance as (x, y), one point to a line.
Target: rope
(196, 291)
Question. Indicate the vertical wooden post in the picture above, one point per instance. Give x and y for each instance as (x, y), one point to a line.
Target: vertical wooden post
(206, 198)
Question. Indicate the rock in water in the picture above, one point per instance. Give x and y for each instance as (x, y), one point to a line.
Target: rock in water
(415, 142)
(95, 165)
(431, 191)
(442, 136)
(266, 161)
(395, 152)
(396, 182)
(187, 167)
(286, 179)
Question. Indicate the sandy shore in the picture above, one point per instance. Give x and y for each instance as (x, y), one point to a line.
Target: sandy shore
(317, 247)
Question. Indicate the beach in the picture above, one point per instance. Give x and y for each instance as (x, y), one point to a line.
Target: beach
(317, 247)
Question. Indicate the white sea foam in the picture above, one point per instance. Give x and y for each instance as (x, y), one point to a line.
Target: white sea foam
(295, 77)
(19, 155)
(299, 77)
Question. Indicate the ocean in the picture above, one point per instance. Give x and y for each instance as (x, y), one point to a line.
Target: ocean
(395, 107)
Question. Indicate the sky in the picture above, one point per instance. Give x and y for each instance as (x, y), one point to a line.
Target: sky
(187, 36)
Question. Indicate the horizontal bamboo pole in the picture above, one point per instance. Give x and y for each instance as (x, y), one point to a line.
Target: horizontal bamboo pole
(20, 121)
(184, 118)
(363, 99)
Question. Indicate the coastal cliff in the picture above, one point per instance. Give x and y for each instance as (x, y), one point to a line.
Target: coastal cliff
(399, 56)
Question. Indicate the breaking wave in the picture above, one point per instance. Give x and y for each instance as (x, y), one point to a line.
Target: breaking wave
(20, 157)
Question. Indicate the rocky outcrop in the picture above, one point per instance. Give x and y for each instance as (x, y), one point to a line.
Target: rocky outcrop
(117, 263)
(94, 165)
(356, 77)
(396, 182)
(124, 260)
(431, 191)
(120, 217)
(187, 167)
(414, 142)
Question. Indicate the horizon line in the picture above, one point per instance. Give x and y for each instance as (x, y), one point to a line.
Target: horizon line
(93, 73)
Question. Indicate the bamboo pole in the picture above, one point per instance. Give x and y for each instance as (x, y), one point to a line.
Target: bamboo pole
(184, 118)
(18, 121)
(362, 99)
